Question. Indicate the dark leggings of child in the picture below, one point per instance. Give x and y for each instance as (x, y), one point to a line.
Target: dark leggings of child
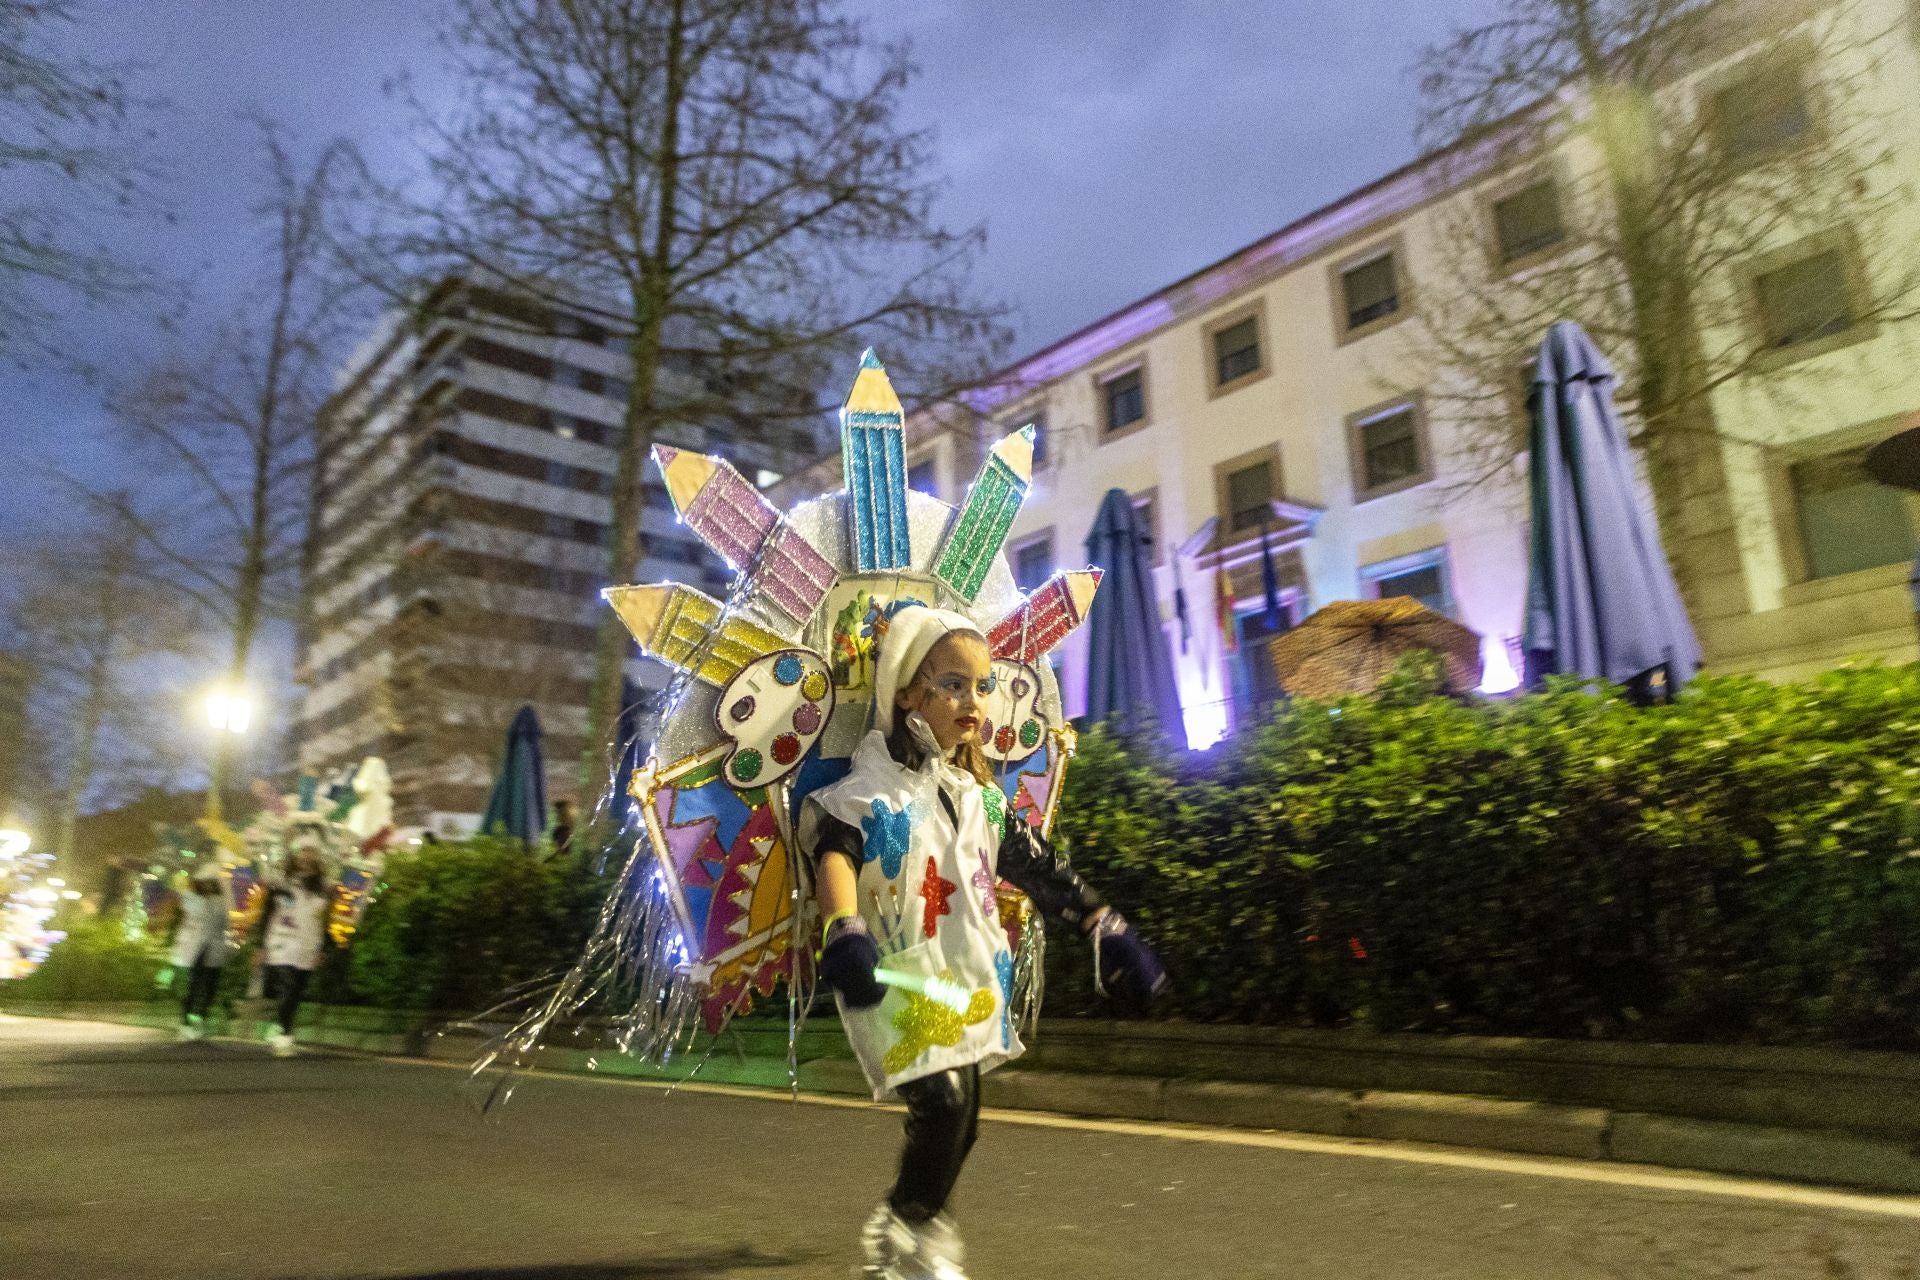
(289, 985)
(943, 1118)
(202, 984)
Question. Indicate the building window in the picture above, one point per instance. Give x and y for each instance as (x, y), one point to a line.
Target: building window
(1250, 491)
(1033, 561)
(1039, 424)
(1763, 112)
(1236, 351)
(1125, 395)
(1389, 450)
(1528, 221)
(1848, 522)
(1804, 300)
(1371, 291)
(920, 478)
(1422, 577)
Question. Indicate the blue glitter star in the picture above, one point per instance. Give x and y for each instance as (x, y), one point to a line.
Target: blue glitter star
(887, 836)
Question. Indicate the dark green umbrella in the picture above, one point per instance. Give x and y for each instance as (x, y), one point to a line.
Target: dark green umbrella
(518, 805)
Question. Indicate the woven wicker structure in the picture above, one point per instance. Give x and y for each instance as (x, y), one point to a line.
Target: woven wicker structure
(1351, 646)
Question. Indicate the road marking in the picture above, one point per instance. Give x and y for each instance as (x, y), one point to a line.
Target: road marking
(1644, 1177)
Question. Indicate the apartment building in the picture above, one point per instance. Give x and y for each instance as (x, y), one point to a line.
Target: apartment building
(1281, 396)
(463, 500)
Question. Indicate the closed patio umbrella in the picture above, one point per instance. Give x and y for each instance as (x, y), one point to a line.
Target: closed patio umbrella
(1129, 671)
(518, 804)
(1601, 599)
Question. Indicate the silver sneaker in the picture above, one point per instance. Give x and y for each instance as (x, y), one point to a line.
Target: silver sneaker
(896, 1249)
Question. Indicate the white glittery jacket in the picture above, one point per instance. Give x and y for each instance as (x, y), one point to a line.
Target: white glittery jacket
(931, 843)
(926, 891)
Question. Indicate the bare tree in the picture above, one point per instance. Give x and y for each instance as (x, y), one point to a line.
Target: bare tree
(227, 436)
(65, 135)
(729, 177)
(1664, 187)
(93, 630)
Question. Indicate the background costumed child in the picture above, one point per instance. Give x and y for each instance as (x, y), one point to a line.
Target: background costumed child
(907, 850)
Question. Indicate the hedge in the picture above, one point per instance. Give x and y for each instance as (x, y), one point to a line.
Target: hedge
(1743, 865)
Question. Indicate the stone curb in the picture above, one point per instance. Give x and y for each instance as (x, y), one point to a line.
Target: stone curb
(1823, 1156)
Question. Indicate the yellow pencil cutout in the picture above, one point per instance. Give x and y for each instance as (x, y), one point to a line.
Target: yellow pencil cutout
(676, 625)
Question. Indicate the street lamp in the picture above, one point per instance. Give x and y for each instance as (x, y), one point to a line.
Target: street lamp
(229, 711)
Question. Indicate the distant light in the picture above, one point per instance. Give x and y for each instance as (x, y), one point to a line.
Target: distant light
(71, 895)
(14, 843)
(1496, 666)
(56, 882)
(230, 710)
(1206, 723)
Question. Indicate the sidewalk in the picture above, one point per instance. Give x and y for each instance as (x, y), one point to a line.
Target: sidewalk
(1864, 1143)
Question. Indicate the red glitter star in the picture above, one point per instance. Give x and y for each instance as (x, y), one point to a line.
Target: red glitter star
(936, 891)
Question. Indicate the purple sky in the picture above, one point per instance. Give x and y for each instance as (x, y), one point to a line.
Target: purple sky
(1111, 146)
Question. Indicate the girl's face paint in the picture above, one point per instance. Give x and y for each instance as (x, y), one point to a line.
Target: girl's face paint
(950, 689)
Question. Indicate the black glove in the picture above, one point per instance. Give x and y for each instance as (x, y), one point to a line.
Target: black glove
(847, 961)
(1125, 970)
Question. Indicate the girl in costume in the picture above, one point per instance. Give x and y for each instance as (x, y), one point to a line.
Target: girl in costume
(296, 930)
(907, 848)
(200, 946)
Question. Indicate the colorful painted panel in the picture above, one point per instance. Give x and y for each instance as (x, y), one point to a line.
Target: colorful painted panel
(1032, 785)
(728, 872)
(351, 894)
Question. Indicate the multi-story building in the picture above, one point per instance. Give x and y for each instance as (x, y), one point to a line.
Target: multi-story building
(461, 515)
(1284, 395)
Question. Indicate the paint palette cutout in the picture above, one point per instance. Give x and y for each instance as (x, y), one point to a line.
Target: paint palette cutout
(773, 711)
(1012, 726)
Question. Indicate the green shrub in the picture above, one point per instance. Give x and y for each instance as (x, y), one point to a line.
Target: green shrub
(94, 962)
(1743, 865)
(459, 924)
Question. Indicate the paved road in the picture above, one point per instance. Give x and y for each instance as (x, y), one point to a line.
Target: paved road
(125, 1155)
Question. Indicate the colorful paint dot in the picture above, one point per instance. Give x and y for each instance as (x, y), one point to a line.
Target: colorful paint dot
(1029, 733)
(1003, 740)
(742, 709)
(746, 765)
(815, 685)
(786, 749)
(986, 731)
(788, 668)
(806, 719)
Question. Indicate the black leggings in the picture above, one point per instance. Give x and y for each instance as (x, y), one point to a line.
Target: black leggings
(943, 1118)
(289, 985)
(202, 984)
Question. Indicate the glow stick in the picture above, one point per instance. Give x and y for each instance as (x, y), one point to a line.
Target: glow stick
(939, 990)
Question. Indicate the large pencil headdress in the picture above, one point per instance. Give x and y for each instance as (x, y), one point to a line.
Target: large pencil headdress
(773, 692)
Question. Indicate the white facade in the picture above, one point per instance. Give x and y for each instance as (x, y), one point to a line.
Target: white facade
(1324, 382)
